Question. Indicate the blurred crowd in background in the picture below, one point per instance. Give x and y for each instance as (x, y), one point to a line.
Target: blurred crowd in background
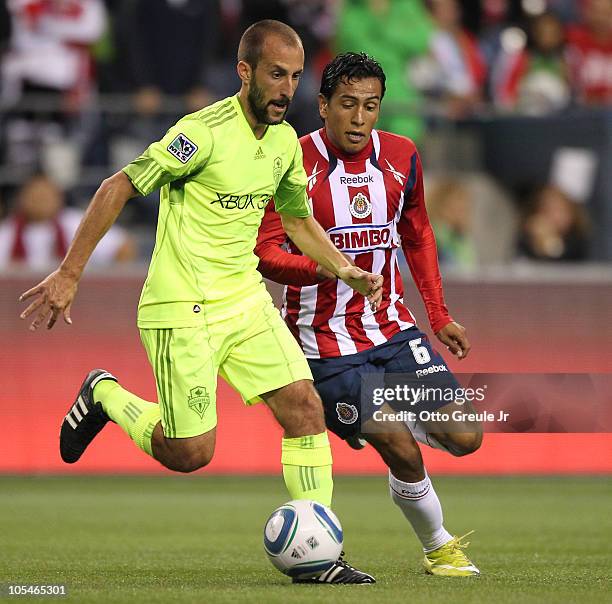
(86, 85)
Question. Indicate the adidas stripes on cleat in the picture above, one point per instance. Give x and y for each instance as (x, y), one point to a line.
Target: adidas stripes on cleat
(84, 419)
(340, 572)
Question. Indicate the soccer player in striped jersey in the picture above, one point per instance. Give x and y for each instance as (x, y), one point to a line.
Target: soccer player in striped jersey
(366, 189)
(204, 309)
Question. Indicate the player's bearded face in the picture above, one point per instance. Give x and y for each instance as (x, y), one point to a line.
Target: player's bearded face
(264, 108)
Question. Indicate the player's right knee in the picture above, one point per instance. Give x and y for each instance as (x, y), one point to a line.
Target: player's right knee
(464, 443)
(189, 456)
(192, 461)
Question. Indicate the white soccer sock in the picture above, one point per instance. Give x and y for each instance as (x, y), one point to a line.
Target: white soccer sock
(421, 506)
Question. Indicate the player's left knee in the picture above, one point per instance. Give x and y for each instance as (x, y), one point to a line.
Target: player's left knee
(298, 408)
(465, 443)
(308, 415)
(311, 413)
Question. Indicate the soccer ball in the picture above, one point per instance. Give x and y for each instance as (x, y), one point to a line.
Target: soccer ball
(303, 538)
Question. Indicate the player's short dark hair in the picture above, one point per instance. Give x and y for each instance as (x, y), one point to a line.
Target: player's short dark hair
(252, 41)
(350, 66)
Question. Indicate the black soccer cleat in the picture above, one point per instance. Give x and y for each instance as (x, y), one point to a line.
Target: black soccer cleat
(340, 572)
(84, 419)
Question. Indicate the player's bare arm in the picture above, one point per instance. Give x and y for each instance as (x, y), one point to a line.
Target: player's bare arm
(54, 294)
(309, 236)
(272, 253)
(323, 273)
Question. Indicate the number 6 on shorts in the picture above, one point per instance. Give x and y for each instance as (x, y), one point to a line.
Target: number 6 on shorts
(420, 353)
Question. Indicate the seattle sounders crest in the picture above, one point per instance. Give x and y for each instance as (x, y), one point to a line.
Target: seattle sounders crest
(198, 400)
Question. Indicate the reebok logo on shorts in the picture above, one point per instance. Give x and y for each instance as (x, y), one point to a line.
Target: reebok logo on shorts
(432, 369)
(182, 148)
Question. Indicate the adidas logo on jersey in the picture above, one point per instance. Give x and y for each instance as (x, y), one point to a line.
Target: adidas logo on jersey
(259, 154)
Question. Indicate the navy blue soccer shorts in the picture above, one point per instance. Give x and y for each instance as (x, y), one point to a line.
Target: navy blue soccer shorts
(339, 380)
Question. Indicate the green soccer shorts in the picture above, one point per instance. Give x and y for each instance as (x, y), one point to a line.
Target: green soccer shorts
(253, 351)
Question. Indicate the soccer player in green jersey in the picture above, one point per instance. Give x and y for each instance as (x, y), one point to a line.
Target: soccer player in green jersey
(204, 309)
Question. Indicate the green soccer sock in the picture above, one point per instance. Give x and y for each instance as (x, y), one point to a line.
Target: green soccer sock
(307, 467)
(136, 417)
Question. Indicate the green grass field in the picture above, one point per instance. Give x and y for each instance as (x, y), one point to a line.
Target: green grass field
(199, 539)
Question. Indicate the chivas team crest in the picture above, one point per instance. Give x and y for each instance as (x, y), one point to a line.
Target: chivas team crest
(361, 207)
(347, 414)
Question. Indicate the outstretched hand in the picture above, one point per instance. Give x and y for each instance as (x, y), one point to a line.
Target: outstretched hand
(53, 295)
(367, 284)
(454, 337)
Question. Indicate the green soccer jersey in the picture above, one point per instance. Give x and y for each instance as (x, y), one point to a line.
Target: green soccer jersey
(216, 178)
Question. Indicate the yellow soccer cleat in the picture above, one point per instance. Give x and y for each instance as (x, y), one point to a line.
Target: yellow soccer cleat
(449, 560)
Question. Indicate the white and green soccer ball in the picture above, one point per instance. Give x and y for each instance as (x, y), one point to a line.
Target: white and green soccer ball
(303, 538)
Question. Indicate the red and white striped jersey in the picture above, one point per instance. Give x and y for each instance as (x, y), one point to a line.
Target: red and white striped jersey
(370, 204)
